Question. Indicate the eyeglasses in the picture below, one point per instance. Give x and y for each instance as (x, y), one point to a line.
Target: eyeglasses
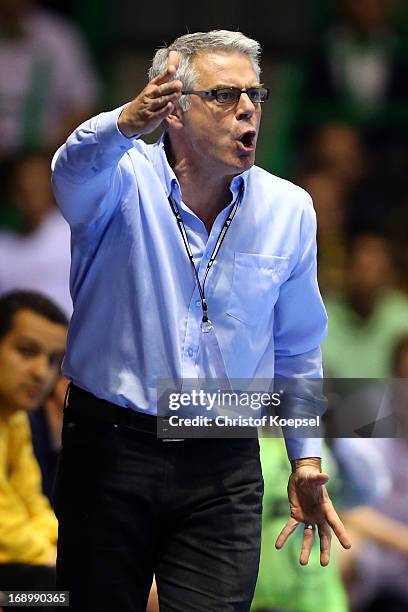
(230, 95)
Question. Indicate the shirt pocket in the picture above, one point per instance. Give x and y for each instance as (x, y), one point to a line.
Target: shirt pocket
(255, 286)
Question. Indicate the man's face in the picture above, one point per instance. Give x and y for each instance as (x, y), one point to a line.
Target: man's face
(30, 355)
(214, 132)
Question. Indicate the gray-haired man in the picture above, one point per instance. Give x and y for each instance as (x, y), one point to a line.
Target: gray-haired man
(187, 259)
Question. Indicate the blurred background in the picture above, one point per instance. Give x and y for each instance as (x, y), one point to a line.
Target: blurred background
(336, 123)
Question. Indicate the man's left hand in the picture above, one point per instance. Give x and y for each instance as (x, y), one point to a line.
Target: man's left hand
(310, 504)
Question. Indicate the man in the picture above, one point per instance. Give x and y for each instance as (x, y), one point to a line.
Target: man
(32, 341)
(189, 511)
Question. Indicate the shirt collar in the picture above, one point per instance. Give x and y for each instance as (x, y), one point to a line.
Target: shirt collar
(239, 182)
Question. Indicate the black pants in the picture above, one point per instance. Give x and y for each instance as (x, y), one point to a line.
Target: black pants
(130, 505)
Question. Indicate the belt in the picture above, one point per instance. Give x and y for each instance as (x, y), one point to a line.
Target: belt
(82, 404)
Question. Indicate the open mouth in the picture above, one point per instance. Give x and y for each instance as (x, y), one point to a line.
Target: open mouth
(248, 139)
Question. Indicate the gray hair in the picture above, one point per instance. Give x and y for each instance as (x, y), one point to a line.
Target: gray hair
(191, 45)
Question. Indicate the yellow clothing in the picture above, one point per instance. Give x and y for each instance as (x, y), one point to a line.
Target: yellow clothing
(28, 527)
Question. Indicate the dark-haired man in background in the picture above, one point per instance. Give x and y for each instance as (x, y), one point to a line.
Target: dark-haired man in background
(32, 342)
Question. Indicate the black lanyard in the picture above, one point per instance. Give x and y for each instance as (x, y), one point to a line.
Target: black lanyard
(206, 324)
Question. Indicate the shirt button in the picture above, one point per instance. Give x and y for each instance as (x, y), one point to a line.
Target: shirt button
(190, 352)
(208, 255)
(197, 303)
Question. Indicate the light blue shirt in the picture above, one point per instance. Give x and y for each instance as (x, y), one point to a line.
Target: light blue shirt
(137, 309)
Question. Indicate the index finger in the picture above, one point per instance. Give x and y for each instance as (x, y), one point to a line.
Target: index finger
(171, 69)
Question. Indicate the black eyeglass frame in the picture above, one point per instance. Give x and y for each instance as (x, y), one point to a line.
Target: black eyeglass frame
(213, 93)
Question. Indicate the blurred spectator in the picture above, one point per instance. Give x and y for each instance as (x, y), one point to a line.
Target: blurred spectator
(379, 561)
(357, 77)
(337, 148)
(372, 189)
(360, 69)
(32, 342)
(48, 83)
(38, 259)
(328, 194)
(366, 321)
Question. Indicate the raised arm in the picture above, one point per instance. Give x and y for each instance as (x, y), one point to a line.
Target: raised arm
(86, 169)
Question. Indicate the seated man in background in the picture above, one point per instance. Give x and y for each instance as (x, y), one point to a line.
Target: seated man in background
(32, 342)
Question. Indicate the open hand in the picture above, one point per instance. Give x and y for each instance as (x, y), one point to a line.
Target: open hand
(157, 100)
(310, 504)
